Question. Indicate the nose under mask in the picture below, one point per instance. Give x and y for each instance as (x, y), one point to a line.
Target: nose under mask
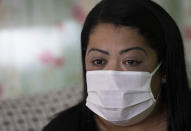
(120, 97)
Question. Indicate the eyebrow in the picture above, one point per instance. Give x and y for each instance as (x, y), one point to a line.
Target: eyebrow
(132, 48)
(121, 52)
(99, 50)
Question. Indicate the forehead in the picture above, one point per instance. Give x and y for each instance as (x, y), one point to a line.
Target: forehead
(108, 35)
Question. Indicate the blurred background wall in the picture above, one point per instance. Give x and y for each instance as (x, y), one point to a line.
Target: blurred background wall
(40, 42)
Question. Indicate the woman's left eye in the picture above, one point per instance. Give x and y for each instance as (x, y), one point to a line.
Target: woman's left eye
(131, 62)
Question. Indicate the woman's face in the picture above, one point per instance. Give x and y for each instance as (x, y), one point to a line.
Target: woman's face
(121, 48)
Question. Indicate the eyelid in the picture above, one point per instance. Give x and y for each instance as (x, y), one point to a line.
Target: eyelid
(134, 57)
(95, 58)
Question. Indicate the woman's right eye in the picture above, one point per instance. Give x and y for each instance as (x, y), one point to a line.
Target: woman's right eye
(98, 62)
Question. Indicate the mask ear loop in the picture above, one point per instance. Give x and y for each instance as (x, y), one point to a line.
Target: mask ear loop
(156, 69)
(153, 73)
(158, 95)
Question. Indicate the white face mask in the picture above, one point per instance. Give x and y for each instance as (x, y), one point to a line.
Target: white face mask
(120, 97)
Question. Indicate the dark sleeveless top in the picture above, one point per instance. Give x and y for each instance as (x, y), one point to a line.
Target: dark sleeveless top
(77, 118)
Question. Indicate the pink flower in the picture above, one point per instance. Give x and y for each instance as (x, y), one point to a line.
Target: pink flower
(187, 33)
(78, 13)
(48, 58)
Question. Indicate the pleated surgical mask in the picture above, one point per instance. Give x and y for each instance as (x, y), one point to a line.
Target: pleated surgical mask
(120, 97)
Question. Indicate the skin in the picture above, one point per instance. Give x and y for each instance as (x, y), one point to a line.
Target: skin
(123, 48)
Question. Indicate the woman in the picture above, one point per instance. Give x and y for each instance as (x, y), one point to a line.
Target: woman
(134, 72)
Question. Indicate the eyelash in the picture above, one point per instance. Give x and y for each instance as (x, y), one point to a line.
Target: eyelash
(96, 60)
(132, 62)
(102, 62)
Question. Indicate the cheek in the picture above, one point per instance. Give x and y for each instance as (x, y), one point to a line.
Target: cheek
(156, 84)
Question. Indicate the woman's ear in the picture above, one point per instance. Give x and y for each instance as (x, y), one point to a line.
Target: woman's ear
(163, 74)
(163, 79)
